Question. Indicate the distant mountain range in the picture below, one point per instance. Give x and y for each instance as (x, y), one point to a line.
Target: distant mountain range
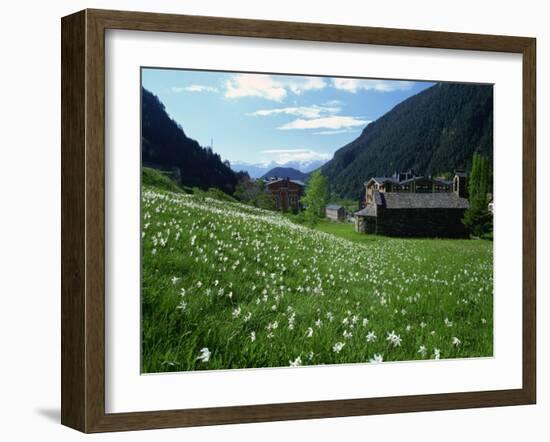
(286, 172)
(258, 170)
(433, 132)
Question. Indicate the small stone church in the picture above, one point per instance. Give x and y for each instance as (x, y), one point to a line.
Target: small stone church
(414, 206)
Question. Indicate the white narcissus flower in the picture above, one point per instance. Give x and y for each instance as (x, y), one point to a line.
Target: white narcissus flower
(337, 348)
(371, 336)
(456, 341)
(423, 350)
(376, 359)
(205, 355)
(296, 362)
(309, 332)
(394, 339)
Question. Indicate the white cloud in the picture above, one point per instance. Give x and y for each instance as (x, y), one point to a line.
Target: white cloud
(250, 85)
(332, 122)
(300, 84)
(332, 103)
(353, 85)
(298, 111)
(283, 156)
(268, 87)
(334, 132)
(195, 88)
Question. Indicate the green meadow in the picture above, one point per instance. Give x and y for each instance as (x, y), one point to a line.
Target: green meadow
(226, 285)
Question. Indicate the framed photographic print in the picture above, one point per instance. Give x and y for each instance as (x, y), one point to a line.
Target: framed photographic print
(269, 220)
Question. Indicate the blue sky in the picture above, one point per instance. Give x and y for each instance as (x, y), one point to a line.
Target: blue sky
(260, 118)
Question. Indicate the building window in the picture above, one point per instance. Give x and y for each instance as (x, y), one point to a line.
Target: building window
(293, 201)
(276, 201)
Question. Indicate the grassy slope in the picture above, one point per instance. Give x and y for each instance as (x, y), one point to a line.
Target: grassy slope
(346, 230)
(236, 270)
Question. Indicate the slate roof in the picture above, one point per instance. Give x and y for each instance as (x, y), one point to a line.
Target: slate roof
(405, 200)
(418, 178)
(334, 207)
(300, 183)
(411, 180)
(369, 210)
(384, 179)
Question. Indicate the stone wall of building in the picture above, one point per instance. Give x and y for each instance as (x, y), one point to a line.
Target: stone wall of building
(360, 222)
(442, 223)
(335, 214)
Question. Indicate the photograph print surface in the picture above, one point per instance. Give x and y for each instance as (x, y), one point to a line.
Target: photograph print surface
(293, 220)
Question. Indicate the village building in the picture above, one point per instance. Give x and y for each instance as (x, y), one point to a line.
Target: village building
(408, 182)
(335, 212)
(286, 193)
(414, 206)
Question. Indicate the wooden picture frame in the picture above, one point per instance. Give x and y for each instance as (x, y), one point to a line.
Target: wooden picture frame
(83, 220)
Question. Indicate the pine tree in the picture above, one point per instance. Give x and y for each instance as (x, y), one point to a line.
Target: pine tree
(477, 218)
(316, 197)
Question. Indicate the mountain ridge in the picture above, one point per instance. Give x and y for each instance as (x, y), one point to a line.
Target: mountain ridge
(165, 144)
(257, 170)
(435, 131)
(286, 172)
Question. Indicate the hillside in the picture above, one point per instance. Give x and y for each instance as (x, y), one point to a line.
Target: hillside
(286, 172)
(164, 143)
(435, 131)
(226, 285)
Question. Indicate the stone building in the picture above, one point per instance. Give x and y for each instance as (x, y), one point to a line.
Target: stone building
(428, 208)
(335, 212)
